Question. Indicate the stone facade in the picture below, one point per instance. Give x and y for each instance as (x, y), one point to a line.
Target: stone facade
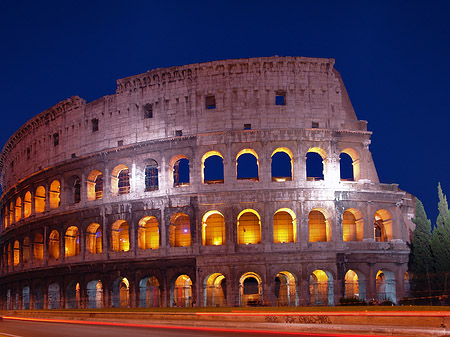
(117, 203)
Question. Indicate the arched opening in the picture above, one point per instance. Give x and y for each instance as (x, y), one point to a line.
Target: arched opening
(38, 297)
(319, 226)
(11, 213)
(355, 285)
(76, 190)
(95, 294)
(182, 292)
(250, 290)
(385, 285)
(72, 241)
(55, 194)
(18, 209)
(38, 247)
(39, 200)
(282, 164)
(215, 291)
(382, 226)
(16, 253)
(27, 205)
(120, 232)
(406, 285)
(120, 180)
(352, 225)
(249, 227)
(26, 298)
(53, 296)
(95, 185)
(180, 230)
(120, 295)
(73, 296)
(315, 164)
(321, 288)
(149, 292)
(213, 229)
(349, 165)
(151, 176)
(148, 233)
(284, 226)
(94, 238)
(181, 172)
(247, 165)
(26, 249)
(53, 245)
(212, 168)
(9, 255)
(285, 289)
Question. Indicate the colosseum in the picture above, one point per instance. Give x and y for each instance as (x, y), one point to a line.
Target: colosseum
(228, 183)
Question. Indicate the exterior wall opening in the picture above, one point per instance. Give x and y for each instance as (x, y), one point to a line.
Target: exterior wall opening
(212, 171)
(353, 225)
(18, 209)
(120, 233)
(284, 226)
(385, 285)
(180, 230)
(247, 165)
(213, 229)
(38, 247)
(39, 200)
(53, 245)
(319, 226)
(27, 205)
(181, 172)
(16, 253)
(53, 296)
(250, 290)
(55, 194)
(382, 226)
(346, 167)
(26, 298)
(314, 167)
(249, 227)
(285, 290)
(121, 293)
(282, 166)
(38, 297)
(95, 294)
(120, 180)
(26, 250)
(148, 233)
(151, 176)
(95, 185)
(215, 291)
(94, 238)
(182, 292)
(73, 296)
(355, 285)
(72, 241)
(149, 293)
(321, 288)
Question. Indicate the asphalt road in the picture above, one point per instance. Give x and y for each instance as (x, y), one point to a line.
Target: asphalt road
(41, 329)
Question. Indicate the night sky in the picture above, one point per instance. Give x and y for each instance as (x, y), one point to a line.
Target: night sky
(394, 57)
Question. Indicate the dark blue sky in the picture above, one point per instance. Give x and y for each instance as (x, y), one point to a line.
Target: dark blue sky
(393, 56)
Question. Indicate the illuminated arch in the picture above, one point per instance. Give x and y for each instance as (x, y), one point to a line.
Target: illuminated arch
(39, 200)
(149, 292)
(355, 285)
(27, 205)
(319, 225)
(95, 185)
(321, 288)
(53, 245)
(18, 209)
(282, 164)
(352, 225)
(55, 194)
(250, 289)
(215, 291)
(355, 163)
(213, 229)
(383, 226)
(286, 289)
(95, 294)
(179, 166)
(284, 226)
(94, 238)
(38, 247)
(148, 233)
(73, 296)
(249, 227)
(72, 241)
(180, 230)
(385, 285)
(181, 296)
(316, 158)
(210, 173)
(251, 163)
(120, 180)
(120, 235)
(26, 249)
(151, 175)
(121, 293)
(16, 253)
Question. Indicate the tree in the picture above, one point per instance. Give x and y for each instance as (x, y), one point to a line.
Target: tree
(440, 242)
(421, 242)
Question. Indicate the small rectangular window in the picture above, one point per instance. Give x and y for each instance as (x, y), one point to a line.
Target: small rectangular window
(247, 126)
(280, 98)
(73, 155)
(94, 124)
(28, 153)
(120, 143)
(315, 125)
(210, 102)
(178, 133)
(56, 139)
(148, 111)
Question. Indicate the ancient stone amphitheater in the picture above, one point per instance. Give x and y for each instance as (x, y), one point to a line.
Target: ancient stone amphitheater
(228, 183)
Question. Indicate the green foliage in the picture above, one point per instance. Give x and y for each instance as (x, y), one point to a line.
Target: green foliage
(440, 242)
(421, 242)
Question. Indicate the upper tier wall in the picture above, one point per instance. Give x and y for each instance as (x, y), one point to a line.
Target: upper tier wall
(244, 91)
